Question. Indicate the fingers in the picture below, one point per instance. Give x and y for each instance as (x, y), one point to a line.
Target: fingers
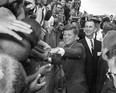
(42, 81)
(9, 26)
(47, 65)
(45, 69)
(38, 77)
(41, 85)
(48, 68)
(10, 32)
(22, 23)
(15, 35)
(21, 26)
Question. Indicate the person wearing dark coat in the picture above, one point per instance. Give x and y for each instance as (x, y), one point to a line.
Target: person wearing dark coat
(101, 74)
(93, 51)
(73, 62)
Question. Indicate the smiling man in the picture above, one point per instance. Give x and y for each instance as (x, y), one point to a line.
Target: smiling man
(73, 61)
(93, 50)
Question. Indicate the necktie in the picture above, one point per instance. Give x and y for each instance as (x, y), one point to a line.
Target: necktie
(92, 47)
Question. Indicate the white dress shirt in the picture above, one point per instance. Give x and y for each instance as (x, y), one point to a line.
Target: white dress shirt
(99, 35)
(89, 43)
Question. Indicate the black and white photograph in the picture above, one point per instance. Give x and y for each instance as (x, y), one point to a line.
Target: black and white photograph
(57, 46)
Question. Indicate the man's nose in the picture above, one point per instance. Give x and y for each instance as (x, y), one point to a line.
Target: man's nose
(87, 28)
(66, 37)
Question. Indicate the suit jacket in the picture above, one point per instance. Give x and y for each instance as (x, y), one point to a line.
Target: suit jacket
(91, 63)
(73, 62)
(102, 69)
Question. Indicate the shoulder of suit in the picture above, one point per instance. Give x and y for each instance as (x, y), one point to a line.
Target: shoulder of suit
(81, 40)
(78, 44)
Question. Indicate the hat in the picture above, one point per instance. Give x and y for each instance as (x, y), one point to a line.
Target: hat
(109, 39)
(96, 19)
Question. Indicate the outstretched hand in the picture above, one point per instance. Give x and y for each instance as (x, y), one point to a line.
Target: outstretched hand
(8, 26)
(43, 70)
(35, 86)
(54, 51)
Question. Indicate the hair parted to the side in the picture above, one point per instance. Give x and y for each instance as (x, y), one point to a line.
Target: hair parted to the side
(71, 27)
(90, 20)
(9, 70)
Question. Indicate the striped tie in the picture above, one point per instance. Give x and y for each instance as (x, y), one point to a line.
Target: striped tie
(92, 47)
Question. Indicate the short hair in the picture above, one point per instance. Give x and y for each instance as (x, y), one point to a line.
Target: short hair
(71, 27)
(106, 19)
(89, 21)
(12, 75)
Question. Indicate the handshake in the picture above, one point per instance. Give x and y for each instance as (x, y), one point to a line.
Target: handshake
(47, 55)
(53, 53)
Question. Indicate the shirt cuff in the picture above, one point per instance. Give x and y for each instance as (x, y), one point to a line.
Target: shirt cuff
(61, 51)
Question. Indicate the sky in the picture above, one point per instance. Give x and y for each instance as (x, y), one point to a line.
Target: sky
(99, 7)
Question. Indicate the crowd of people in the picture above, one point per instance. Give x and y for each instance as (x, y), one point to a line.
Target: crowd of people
(49, 46)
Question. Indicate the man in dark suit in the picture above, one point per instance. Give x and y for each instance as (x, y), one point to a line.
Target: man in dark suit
(93, 50)
(73, 62)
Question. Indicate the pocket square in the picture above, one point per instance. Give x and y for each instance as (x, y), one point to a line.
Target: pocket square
(98, 53)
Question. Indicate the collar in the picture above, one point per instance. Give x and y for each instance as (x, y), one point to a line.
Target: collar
(70, 45)
(88, 40)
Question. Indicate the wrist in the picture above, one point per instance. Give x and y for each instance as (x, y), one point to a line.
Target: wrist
(61, 51)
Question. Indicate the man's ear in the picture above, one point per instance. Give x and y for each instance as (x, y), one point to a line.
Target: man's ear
(95, 29)
(76, 37)
(84, 30)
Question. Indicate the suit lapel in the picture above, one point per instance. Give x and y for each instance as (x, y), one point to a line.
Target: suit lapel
(95, 46)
